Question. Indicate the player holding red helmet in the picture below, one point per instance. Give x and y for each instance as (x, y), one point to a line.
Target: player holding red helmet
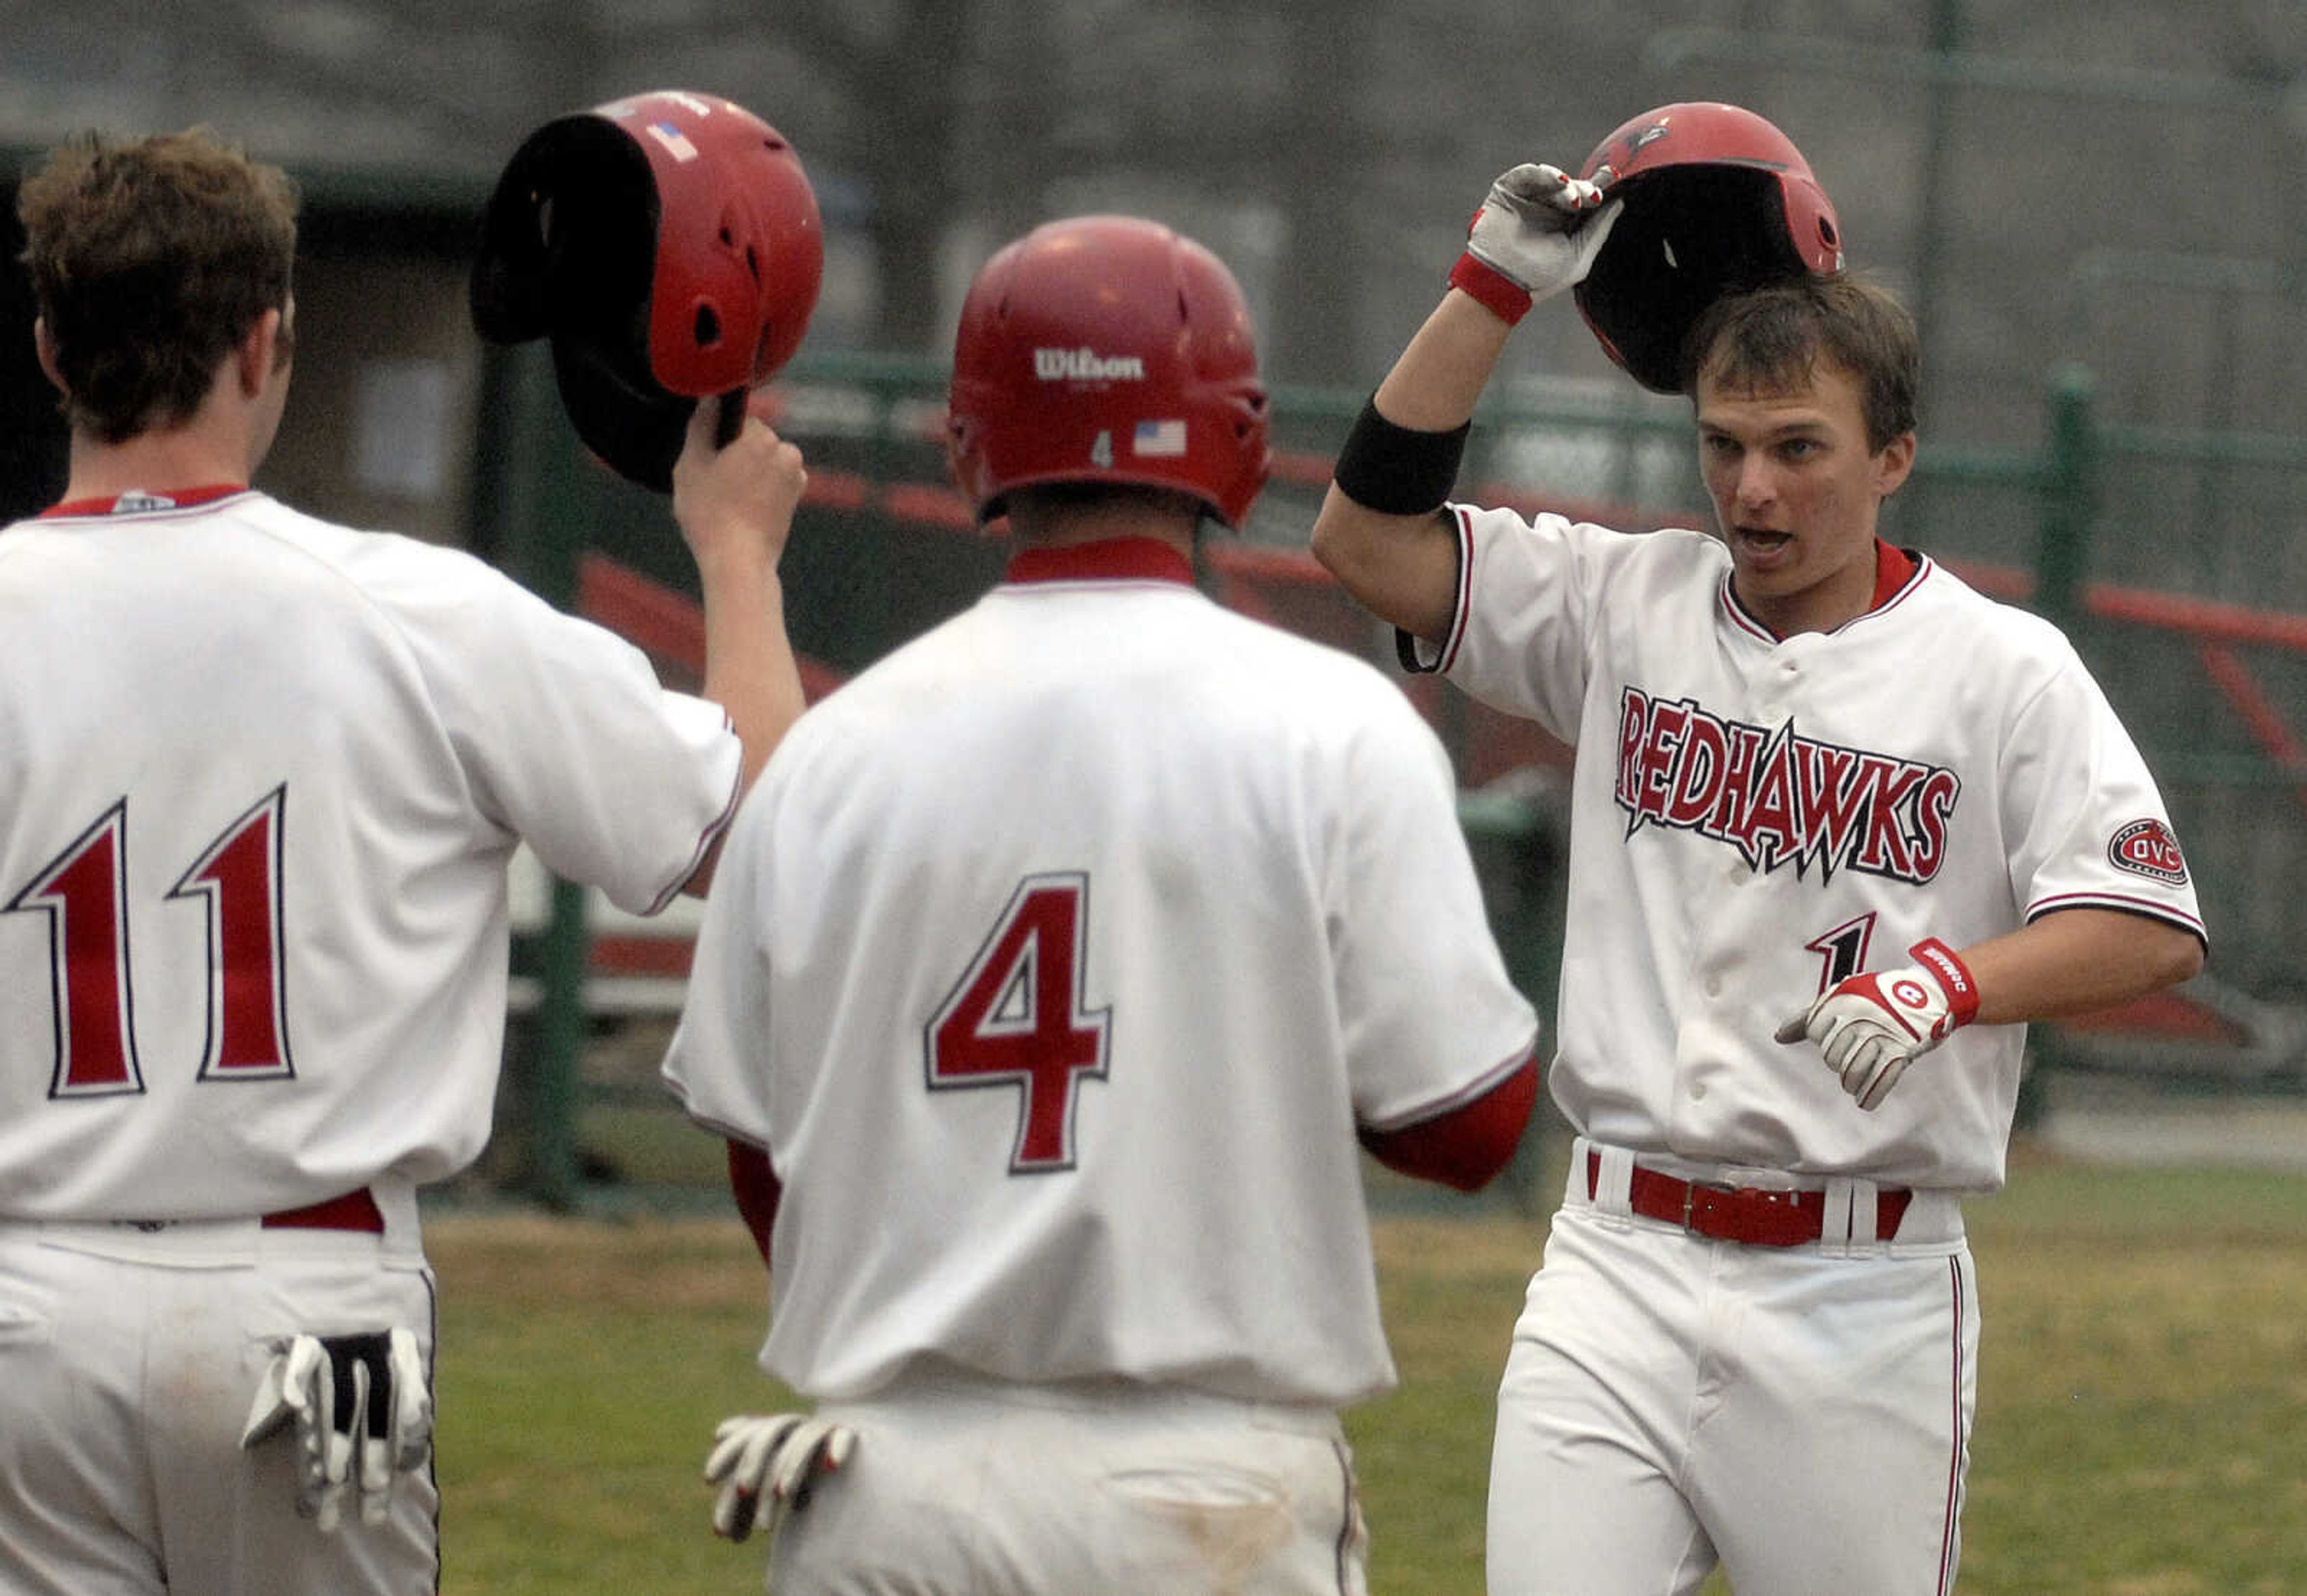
(264, 777)
(1829, 805)
(1051, 974)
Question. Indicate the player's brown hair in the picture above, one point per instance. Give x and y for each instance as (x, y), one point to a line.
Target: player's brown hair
(150, 259)
(1766, 340)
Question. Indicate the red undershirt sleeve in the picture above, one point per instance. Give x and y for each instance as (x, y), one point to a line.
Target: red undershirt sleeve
(757, 1189)
(1467, 1146)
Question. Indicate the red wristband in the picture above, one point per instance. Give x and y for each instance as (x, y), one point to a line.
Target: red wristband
(1954, 978)
(1504, 298)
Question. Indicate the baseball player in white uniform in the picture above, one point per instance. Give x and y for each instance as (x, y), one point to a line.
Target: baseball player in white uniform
(1830, 807)
(262, 778)
(1051, 974)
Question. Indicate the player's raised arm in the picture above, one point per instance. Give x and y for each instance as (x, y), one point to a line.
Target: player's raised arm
(669, 247)
(734, 503)
(1379, 531)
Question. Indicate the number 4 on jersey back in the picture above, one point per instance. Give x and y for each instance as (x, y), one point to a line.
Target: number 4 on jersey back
(1016, 1020)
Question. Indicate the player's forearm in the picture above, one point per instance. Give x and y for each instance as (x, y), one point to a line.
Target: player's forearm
(750, 669)
(2076, 960)
(1440, 376)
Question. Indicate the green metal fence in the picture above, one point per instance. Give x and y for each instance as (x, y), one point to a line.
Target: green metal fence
(882, 550)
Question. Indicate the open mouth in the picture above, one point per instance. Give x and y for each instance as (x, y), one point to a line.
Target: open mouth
(1761, 540)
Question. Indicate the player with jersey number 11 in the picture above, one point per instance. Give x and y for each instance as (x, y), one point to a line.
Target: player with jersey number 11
(1053, 974)
(1840, 828)
(262, 778)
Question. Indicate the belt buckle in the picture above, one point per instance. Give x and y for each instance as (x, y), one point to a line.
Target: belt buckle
(1690, 1200)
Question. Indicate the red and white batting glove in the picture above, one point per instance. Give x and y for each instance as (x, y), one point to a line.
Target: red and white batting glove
(1537, 233)
(1871, 1026)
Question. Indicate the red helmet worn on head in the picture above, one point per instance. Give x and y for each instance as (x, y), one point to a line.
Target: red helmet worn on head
(670, 246)
(1104, 348)
(1716, 198)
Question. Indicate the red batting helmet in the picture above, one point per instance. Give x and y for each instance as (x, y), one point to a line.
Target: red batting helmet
(1717, 199)
(1104, 348)
(669, 246)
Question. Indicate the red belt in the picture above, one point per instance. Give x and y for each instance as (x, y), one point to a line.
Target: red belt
(1754, 1215)
(354, 1211)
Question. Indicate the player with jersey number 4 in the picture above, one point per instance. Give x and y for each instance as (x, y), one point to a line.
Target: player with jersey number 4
(1829, 806)
(262, 780)
(1054, 976)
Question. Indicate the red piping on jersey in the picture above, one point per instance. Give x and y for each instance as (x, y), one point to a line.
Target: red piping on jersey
(1463, 602)
(2121, 902)
(1108, 560)
(174, 498)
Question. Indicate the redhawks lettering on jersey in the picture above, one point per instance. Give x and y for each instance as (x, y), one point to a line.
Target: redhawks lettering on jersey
(1779, 798)
(2146, 848)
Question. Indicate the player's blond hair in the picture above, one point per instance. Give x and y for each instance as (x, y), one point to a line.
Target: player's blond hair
(1766, 340)
(150, 259)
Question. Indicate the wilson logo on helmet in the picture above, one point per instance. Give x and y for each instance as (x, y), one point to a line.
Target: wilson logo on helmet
(1086, 364)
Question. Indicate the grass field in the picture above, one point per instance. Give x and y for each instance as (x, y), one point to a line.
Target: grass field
(2142, 1425)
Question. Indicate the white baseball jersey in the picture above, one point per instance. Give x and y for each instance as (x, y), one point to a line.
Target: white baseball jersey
(262, 776)
(1757, 818)
(1055, 960)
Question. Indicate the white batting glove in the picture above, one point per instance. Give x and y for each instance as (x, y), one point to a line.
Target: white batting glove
(1871, 1026)
(1537, 233)
(775, 1455)
(362, 1415)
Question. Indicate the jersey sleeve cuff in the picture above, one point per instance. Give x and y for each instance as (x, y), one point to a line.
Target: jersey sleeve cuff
(1417, 655)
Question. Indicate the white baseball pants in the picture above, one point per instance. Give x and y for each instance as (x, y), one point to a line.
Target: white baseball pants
(128, 1358)
(1800, 1415)
(961, 1487)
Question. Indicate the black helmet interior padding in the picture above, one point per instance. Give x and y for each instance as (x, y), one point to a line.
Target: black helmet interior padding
(618, 410)
(1686, 236)
(569, 237)
(569, 254)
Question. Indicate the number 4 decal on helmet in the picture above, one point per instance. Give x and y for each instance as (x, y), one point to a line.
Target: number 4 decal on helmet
(1015, 1018)
(1100, 452)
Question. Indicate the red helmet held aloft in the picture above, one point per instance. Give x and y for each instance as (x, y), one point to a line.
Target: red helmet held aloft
(1717, 199)
(670, 246)
(1104, 348)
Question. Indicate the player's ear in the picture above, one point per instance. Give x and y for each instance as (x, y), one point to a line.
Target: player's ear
(257, 357)
(45, 344)
(1892, 462)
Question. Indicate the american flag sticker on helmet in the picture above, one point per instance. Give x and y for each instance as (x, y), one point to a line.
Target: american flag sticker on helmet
(1159, 438)
(674, 139)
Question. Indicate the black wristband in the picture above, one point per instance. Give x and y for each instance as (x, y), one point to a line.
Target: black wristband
(1395, 470)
